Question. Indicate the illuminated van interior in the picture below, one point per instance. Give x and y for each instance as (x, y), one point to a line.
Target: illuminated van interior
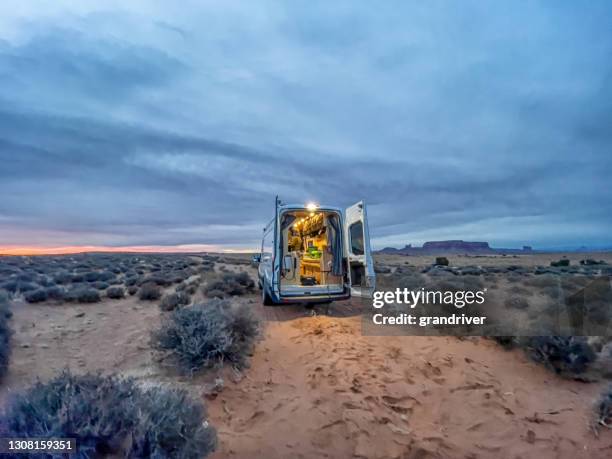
(312, 252)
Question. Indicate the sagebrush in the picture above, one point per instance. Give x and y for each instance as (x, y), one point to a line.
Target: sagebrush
(36, 296)
(603, 408)
(206, 334)
(567, 356)
(150, 291)
(174, 300)
(5, 333)
(229, 284)
(115, 293)
(60, 278)
(113, 416)
(82, 295)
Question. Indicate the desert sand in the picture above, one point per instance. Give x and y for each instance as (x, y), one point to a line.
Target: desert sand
(317, 388)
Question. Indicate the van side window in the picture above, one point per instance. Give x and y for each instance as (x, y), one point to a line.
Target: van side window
(356, 232)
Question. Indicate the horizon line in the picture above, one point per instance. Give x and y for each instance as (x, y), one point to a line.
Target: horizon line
(15, 250)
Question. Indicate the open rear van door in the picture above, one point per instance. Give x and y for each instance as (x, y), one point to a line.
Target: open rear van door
(357, 237)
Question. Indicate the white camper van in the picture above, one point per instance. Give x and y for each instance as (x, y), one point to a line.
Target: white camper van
(315, 254)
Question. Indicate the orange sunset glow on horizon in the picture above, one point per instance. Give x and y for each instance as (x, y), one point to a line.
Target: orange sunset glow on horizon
(189, 248)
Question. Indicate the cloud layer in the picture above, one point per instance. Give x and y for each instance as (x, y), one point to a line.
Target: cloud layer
(144, 125)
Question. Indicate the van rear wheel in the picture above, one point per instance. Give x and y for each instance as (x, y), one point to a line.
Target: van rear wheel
(266, 298)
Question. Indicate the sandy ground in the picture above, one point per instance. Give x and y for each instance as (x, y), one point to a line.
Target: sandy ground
(317, 388)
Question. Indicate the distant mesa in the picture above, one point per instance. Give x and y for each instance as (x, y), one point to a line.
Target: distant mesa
(456, 246)
(453, 246)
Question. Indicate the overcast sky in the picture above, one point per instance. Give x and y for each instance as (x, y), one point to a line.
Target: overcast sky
(140, 123)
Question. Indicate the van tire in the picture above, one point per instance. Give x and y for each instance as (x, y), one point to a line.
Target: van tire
(266, 298)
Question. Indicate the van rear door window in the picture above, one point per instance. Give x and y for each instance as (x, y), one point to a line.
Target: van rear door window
(356, 232)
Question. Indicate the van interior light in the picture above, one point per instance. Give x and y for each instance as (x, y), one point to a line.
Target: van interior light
(311, 206)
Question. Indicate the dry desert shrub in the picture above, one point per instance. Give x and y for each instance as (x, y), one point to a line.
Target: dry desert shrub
(565, 355)
(99, 285)
(603, 408)
(381, 269)
(560, 263)
(543, 281)
(441, 261)
(568, 356)
(115, 293)
(158, 279)
(150, 292)
(62, 277)
(99, 276)
(25, 277)
(188, 287)
(55, 292)
(5, 333)
(172, 425)
(203, 335)
(177, 277)
(82, 295)
(229, 284)
(514, 278)
(111, 416)
(546, 284)
(171, 301)
(207, 266)
(131, 280)
(508, 342)
(36, 296)
(17, 286)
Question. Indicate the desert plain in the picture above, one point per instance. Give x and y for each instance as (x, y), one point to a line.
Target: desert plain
(314, 385)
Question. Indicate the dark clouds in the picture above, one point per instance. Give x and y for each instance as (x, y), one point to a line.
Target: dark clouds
(147, 127)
